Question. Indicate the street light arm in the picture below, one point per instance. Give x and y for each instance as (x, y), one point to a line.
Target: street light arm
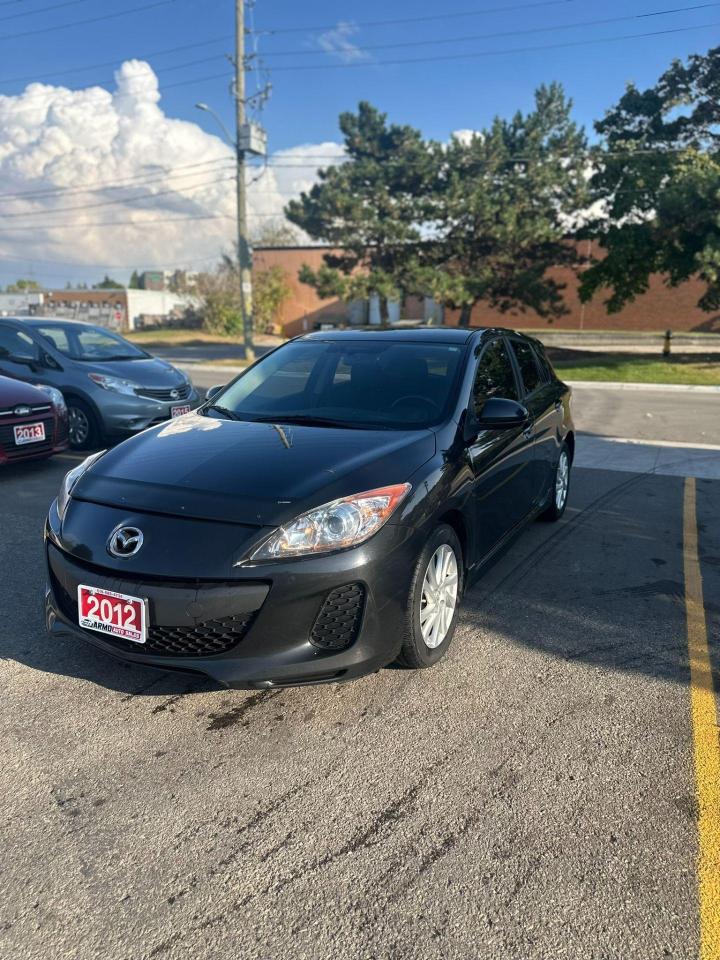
(226, 133)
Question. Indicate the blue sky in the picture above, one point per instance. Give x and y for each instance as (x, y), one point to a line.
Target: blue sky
(438, 96)
(64, 156)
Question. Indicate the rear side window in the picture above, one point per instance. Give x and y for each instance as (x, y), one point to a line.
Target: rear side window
(528, 364)
(495, 376)
(545, 366)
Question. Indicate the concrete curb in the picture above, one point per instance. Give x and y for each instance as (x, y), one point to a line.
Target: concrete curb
(649, 387)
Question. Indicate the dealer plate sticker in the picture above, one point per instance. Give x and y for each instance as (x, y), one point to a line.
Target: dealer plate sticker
(112, 613)
(29, 433)
(180, 411)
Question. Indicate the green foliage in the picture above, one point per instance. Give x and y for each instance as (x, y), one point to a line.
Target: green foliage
(108, 284)
(370, 208)
(504, 203)
(219, 292)
(23, 286)
(479, 219)
(658, 176)
(134, 281)
(271, 289)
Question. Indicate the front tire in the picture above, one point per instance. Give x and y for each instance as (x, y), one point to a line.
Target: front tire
(433, 600)
(83, 428)
(560, 488)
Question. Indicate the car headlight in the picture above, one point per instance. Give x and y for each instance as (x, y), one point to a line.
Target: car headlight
(70, 479)
(55, 395)
(335, 525)
(116, 384)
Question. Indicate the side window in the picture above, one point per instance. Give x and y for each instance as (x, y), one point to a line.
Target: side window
(494, 376)
(545, 365)
(15, 343)
(528, 365)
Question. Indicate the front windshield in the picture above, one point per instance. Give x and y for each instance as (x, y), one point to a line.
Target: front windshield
(350, 383)
(89, 343)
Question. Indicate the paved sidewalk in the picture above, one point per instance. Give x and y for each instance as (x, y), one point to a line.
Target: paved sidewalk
(660, 457)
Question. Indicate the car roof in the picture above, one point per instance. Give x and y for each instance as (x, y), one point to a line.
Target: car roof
(50, 322)
(396, 334)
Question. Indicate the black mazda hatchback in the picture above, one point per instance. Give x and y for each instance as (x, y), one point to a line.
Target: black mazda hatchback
(320, 516)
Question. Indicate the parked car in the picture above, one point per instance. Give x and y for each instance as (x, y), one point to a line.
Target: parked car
(320, 516)
(33, 421)
(112, 388)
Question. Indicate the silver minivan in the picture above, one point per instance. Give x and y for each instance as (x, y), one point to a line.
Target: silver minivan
(112, 388)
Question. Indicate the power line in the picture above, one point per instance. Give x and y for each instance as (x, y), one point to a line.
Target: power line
(504, 33)
(444, 16)
(78, 23)
(113, 63)
(52, 6)
(113, 184)
(116, 223)
(494, 53)
(111, 203)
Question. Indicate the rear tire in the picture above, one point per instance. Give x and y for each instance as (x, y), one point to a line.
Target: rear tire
(433, 601)
(83, 427)
(560, 488)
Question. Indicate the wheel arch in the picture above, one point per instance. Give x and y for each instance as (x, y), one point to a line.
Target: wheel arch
(570, 441)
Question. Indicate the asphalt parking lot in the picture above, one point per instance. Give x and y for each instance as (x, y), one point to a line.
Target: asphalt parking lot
(533, 796)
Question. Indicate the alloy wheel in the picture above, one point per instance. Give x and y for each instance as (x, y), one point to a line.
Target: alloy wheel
(562, 480)
(439, 596)
(78, 426)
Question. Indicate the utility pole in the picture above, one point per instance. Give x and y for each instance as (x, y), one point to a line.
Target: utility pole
(244, 255)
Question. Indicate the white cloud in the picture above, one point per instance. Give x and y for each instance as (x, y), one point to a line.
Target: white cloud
(59, 143)
(337, 43)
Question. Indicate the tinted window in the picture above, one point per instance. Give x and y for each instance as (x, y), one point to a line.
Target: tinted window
(495, 376)
(15, 343)
(353, 382)
(545, 366)
(528, 365)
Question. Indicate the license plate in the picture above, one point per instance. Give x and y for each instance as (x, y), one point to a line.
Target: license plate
(29, 433)
(179, 411)
(113, 613)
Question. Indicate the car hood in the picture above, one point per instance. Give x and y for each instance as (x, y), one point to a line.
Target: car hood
(249, 473)
(150, 372)
(18, 392)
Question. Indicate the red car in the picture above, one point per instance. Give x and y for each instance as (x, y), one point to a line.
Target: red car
(33, 421)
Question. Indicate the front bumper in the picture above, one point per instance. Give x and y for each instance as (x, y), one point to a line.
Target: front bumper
(267, 616)
(123, 415)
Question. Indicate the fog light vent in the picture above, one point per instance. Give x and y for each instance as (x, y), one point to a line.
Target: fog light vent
(338, 622)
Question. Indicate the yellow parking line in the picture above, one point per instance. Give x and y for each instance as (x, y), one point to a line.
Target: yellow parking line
(706, 735)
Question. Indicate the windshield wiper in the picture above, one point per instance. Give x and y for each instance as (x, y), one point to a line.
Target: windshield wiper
(307, 420)
(230, 414)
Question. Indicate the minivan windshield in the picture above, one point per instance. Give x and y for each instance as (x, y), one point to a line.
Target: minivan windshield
(351, 383)
(88, 343)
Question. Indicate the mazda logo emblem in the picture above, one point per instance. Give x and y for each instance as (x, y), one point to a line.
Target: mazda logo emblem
(125, 541)
(175, 394)
(21, 411)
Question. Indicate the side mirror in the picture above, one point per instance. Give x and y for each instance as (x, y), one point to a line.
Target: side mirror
(499, 413)
(212, 392)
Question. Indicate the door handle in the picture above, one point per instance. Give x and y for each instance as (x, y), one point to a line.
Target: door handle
(558, 405)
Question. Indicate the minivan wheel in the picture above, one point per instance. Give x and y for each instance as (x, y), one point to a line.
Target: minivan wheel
(558, 497)
(433, 600)
(83, 430)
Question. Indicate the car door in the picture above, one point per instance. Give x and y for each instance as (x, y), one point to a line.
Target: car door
(545, 407)
(502, 460)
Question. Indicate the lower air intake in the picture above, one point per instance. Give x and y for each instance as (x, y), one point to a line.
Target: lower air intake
(338, 622)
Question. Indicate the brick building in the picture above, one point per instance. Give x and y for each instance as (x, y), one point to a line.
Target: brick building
(660, 308)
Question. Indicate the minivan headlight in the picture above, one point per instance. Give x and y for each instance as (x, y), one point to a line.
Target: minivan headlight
(116, 384)
(70, 479)
(335, 525)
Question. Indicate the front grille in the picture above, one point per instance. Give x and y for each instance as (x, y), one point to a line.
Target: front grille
(35, 409)
(338, 622)
(166, 395)
(201, 640)
(16, 451)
